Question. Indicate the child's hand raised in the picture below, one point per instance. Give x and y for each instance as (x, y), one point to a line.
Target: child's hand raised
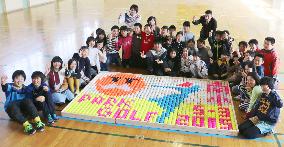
(4, 79)
(45, 88)
(194, 18)
(142, 54)
(159, 61)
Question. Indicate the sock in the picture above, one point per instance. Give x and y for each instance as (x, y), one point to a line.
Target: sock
(37, 119)
(25, 124)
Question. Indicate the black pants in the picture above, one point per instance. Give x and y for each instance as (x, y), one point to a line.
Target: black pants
(47, 106)
(249, 130)
(125, 62)
(18, 110)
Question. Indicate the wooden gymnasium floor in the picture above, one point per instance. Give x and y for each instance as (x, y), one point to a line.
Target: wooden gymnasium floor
(30, 38)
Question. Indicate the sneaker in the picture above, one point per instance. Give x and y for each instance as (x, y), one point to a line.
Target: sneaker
(55, 117)
(29, 129)
(50, 120)
(40, 126)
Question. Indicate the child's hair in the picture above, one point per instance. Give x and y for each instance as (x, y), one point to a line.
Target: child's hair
(70, 61)
(99, 41)
(165, 27)
(201, 41)
(254, 76)
(191, 40)
(56, 59)
(179, 33)
(83, 48)
(135, 7)
(158, 41)
(99, 31)
(168, 38)
(244, 43)
(186, 24)
(19, 73)
(147, 25)
(253, 41)
(208, 12)
(267, 81)
(89, 39)
(150, 18)
(218, 32)
(259, 55)
(271, 40)
(138, 25)
(226, 31)
(123, 28)
(251, 53)
(40, 75)
(114, 27)
(173, 27)
(249, 64)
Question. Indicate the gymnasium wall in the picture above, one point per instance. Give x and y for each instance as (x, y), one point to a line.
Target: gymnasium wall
(14, 5)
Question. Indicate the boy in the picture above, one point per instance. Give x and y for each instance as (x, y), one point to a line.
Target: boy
(147, 39)
(187, 35)
(264, 116)
(198, 68)
(112, 52)
(258, 61)
(218, 70)
(155, 58)
(271, 59)
(172, 31)
(191, 47)
(39, 92)
(124, 43)
(129, 19)
(243, 45)
(136, 46)
(17, 103)
(204, 52)
(178, 44)
(84, 64)
(171, 64)
(253, 44)
(164, 34)
(218, 46)
(209, 24)
(185, 63)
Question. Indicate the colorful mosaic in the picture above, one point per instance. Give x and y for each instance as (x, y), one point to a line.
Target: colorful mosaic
(174, 103)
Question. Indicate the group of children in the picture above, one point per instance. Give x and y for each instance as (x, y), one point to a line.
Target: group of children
(251, 72)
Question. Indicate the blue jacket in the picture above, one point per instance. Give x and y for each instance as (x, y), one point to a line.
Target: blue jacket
(12, 94)
(268, 107)
(34, 92)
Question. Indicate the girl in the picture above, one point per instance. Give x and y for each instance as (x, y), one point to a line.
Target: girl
(153, 24)
(73, 76)
(198, 68)
(130, 18)
(171, 64)
(57, 82)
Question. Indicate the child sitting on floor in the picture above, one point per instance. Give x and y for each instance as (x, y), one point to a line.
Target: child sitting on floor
(171, 64)
(258, 61)
(198, 68)
(17, 103)
(185, 63)
(73, 76)
(39, 91)
(218, 70)
(264, 116)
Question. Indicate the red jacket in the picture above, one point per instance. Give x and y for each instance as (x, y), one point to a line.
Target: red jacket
(271, 62)
(147, 42)
(126, 44)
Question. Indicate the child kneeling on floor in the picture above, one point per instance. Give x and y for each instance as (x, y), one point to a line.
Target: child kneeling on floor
(40, 94)
(17, 105)
(264, 116)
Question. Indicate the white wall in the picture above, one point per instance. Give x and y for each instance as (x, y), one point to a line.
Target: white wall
(39, 2)
(12, 5)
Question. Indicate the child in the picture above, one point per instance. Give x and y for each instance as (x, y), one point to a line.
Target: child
(153, 25)
(154, 58)
(249, 92)
(191, 47)
(258, 61)
(218, 70)
(73, 76)
(204, 52)
(218, 47)
(129, 19)
(198, 68)
(186, 62)
(147, 39)
(171, 64)
(235, 69)
(243, 48)
(125, 42)
(112, 52)
(17, 103)
(253, 44)
(271, 59)
(228, 40)
(247, 57)
(164, 34)
(136, 46)
(84, 64)
(57, 82)
(39, 92)
(172, 32)
(264, 116)
(178, 44)
(168, 43)
(209, 24)
(93, 56)
(187, 35)
(101, 35)
(102, 55)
